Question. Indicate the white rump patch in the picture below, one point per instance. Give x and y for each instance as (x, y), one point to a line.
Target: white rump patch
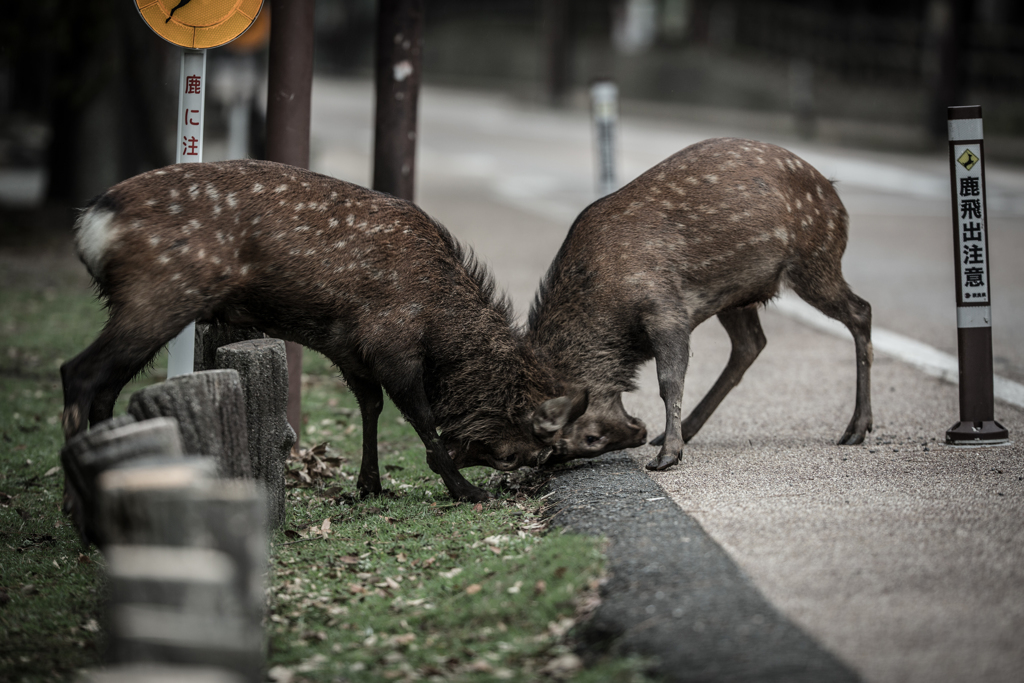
(93, 234)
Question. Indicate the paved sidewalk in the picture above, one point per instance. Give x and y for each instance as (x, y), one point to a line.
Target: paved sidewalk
(903, 557)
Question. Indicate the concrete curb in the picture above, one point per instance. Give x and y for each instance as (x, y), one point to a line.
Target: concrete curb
(673, 594)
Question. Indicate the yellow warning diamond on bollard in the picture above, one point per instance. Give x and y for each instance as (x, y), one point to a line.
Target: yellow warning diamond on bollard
(968, 159)
(199, 24)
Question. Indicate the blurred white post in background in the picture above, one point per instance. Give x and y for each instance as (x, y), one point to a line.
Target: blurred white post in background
(604, 100)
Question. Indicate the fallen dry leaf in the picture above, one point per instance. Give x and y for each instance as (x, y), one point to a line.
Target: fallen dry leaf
(473, 588)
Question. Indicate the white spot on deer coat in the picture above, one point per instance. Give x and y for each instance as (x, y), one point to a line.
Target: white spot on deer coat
(174, 208)
(402, 70)
(230, 199)
(257, 188)
(193, 191)
(332, 223)
(280, 188)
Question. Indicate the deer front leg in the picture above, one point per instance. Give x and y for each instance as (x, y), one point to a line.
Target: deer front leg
(671, 353)
(371, 401)
(747, 338)
(414, 405)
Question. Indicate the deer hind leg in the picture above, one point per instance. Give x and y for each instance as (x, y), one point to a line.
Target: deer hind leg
(835, 300)
(744, 329)
(94, 378)
(370, 396)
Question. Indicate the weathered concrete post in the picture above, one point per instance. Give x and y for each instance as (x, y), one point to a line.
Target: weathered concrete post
(212, 336)
(210, 409)
(186, 555)
(262, 366)
(106, 445)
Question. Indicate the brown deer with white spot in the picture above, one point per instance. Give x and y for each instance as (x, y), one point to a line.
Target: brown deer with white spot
(714, 230)
(370, 281)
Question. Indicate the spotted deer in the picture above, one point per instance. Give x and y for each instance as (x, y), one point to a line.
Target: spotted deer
(371, 281)
(714, 230)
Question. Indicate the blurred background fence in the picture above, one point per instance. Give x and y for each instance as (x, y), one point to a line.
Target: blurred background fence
(87, 92)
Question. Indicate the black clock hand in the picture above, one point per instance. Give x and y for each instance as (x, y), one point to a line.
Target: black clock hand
(180, 4)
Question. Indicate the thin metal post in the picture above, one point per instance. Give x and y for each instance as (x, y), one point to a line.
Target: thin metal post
(604, 100)
(289, 92)
(191, 110)
(977, 425)
(398, 68)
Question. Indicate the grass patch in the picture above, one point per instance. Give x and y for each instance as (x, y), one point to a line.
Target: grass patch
(406, 586)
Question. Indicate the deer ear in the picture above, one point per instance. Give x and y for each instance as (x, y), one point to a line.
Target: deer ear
(556, 413)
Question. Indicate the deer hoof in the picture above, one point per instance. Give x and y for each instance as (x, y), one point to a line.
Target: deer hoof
(854, 434)
(662, 462)
(474, 495)
(851, 439)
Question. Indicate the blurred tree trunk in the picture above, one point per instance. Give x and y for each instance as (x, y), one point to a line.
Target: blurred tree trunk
(399, 66)
(81, 69)
(111, 100)
(557, 49)
(949, 24)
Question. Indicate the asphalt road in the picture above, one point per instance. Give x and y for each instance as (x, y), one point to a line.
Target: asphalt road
(775, 554)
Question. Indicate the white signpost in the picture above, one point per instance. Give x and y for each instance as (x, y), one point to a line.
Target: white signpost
(194, 26)
(191, 101)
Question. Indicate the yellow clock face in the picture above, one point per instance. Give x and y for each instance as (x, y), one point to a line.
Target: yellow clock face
(199, 24)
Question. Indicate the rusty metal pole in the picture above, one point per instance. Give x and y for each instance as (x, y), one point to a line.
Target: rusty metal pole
(289, 88)
(398, 69)
(977, 425)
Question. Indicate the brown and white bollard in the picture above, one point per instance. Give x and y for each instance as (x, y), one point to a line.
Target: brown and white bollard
(977, 425)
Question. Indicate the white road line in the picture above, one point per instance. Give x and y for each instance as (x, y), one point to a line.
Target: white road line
(925, 358)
